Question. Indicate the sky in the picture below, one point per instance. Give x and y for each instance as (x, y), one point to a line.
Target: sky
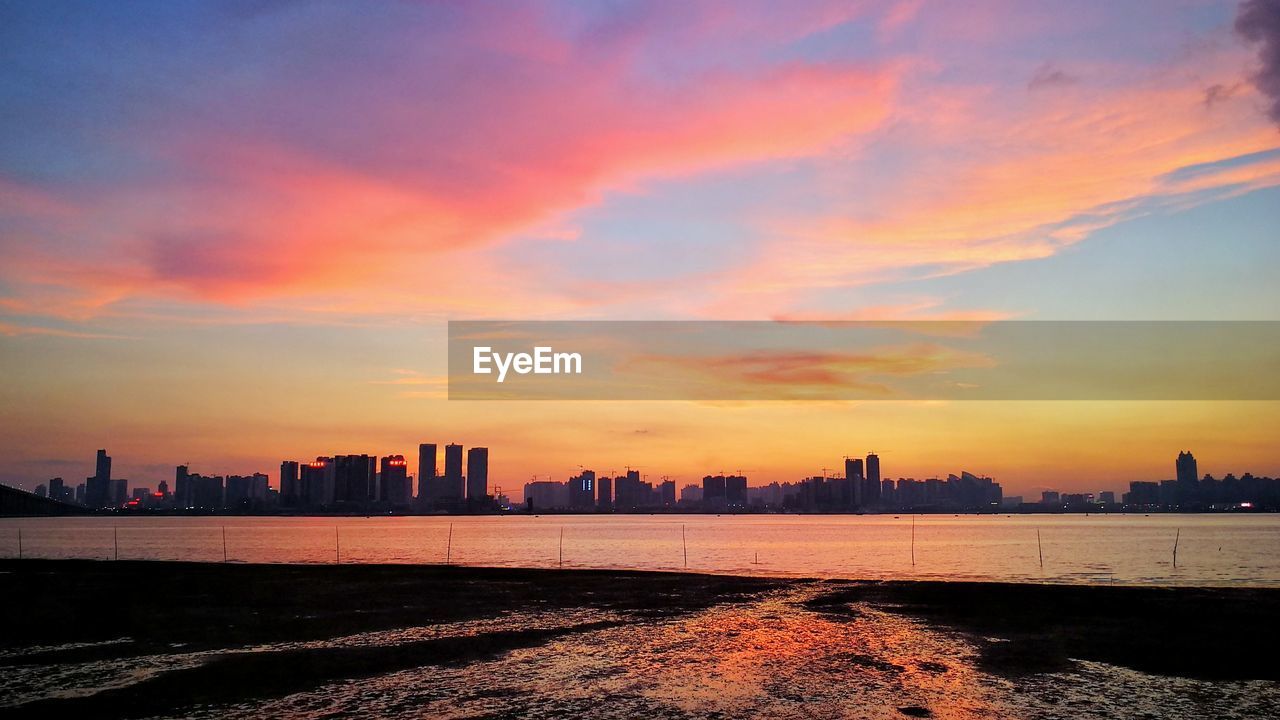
(232, 233)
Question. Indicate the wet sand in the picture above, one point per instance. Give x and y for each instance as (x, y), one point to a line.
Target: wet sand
(140, 639)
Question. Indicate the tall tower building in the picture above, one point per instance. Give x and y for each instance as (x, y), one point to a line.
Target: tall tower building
(183, 492)
(428, 483)
(871, 485)
(604, 490)
(1185, 465)
(856, 479)
(453, 485)
(97, 491)
(1188, 479)
(289, 483)
(393, 483)
(477, 475)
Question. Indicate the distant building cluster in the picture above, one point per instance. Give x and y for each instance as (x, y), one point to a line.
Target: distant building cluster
(338, 483)
(587, 492)
(362, 482)
(860, 489)
(1185, 492)
(368, 483)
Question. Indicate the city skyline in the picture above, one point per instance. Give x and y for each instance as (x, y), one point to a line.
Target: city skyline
(217, 246)
(355, 483)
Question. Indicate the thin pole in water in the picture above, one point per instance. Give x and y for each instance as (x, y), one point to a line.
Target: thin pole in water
(337, 547)
(684, 542)
(115, 539)
(1176, 535)
(913, 539)
(1040, 547)
(448, 550)
(224, 543)
(19, 543)
(561, 546)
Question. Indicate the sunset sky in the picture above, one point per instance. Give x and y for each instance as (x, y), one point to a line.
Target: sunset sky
(232, 233)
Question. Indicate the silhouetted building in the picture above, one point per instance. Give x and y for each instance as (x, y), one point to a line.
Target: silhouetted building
(667, 493)
(546, 495)
(871, 484)
(582, 490)
(183, 490)
(290, 490)
(604, 493)
(477, 476)
(452, 489)
(1188, 479)
(735, 491)
(428, 483)
(853, 472)
(355, 479)
(97, 492)
(317, 481)
(119, 491)
(714, 493)
(393, 482)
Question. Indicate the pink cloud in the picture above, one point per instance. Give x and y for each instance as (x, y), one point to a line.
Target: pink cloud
(397, 213)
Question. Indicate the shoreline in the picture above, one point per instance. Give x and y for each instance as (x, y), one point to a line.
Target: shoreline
(64, 613)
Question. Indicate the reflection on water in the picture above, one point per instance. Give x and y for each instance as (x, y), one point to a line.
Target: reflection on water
(770, 655)
(1212, 549)
(769, 658)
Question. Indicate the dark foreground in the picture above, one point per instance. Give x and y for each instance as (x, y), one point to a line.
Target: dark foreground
(144, 639)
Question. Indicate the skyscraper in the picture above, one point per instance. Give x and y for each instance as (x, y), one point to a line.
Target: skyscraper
(735, 491)
(477, 475)
(452, 487)
(427, 481)
(317, 480)
(1188, 479)
(355, 479)
(1186, 467)
(854, 477)
(183, 492)
(871, 484)
(289, 486)
(97, 492)
(393, 483)
(604, 490)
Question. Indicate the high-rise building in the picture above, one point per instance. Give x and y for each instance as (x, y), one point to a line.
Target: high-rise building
(119, 491)
(452, 487)
(97, 492)
(1188, 479)
(394, 485)
(317, 481)
(714, 492)
(355, 479)
(183, 492)
(207, 491)
(604, 493)
(856, 480)
(290, 495)
(735, 491)
(477, 475)
(667, 493)
(236, 495)
(428, 482)
(582, 490)
(1186, 467)
(871, 484)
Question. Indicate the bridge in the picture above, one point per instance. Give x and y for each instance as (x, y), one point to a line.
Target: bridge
(15, 502)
